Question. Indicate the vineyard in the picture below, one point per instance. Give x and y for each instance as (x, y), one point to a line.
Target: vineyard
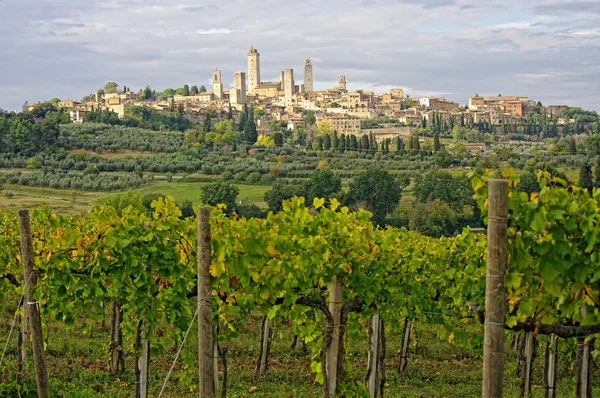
(325, 272)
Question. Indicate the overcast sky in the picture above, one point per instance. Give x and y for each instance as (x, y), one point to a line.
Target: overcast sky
(547, 49)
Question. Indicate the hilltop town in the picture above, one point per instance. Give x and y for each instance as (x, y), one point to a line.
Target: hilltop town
(286, 100)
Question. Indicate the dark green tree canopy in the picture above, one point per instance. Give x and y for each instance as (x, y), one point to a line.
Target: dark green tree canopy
(375, 190)
(220, 192)
(455, 191)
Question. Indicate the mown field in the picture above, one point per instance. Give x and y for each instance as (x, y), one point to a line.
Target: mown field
(74, 202)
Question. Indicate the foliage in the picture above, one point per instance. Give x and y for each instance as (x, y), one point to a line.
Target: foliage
(434, 218)
(455, 191)
(376, 190)
(220, 193)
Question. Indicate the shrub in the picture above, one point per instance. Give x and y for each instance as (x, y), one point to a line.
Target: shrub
(254, 177)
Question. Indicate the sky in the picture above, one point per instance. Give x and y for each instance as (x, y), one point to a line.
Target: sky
(548, 50)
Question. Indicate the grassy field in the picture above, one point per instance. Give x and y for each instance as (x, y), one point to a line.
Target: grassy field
(73, 202)
(78, 366)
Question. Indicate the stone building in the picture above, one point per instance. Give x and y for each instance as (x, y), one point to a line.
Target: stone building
(237, 94)
(308, 76)
(343, 124)
(217, 84)
(342, 83)
(288, 85)
(253, 69)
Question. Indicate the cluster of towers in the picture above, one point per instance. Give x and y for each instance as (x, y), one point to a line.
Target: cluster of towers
(285, 79)
(255, 87)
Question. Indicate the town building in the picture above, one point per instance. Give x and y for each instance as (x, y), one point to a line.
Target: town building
(253, 69)
(308, 76)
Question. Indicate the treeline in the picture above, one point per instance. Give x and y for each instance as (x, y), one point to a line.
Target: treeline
(89, 180)
(142, 117)
(104, 137)
(32, 132)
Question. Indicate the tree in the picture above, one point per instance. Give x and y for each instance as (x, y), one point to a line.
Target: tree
(586, 179)
(258, 113)
(324, 127)
(309, 118)
(278, 138)
(433, 219)
(436, 142)
(121, 201)
(322, 184)
(280, 192)
(207, 124)
(326, 142)
(147, 93)
(399, 142)
(220, 193)
(364, 143)
(376, 190)
(456, 191)
(597, 174)
(250, 133)
(243, 118)
(194, 90)
(265, 140)
(186, 90)
(202, 89)
(110, 87)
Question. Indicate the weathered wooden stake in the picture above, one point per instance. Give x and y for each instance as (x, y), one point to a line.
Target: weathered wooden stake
(526, 358)
(550, 360)
(206, 348)
(404, 347)
(32, 307)
(117, 363)
(584, 363)
(495, 293)
(265, 347)
(142, 363)
(335, 307)
(375, 360)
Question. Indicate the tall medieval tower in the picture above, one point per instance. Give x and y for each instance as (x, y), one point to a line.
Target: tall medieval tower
(288, 85)
(217, 84)
(308, 76)
(253, 69)
(342, 83)
(238, 93)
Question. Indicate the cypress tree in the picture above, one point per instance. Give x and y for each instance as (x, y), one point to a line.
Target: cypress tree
(250, 133)
(186, 90)
(416, 144)
(353, 142)
(411, 143)
(229, 112)
(207, 124)
(335, 142)
(436, 142)
(364, 143)
(326, 142)
(243, 118)
(194, 90)
(597, 174)
(320, 143)
(586, 180)
(342, 143)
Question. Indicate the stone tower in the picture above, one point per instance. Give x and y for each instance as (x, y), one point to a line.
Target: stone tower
(238, 93)
(217, 84)
(253, 69)
(308, 76)
(342, 83)
(288, 85)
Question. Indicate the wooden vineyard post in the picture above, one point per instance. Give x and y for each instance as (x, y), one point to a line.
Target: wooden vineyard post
(32, 307)
(206, 348)
(584, 363)
(526, 358)
(495, 293)
(117, 363)
(335, 308)
(550, 361)
(375, 358)
(142, 362)
(265, 346)
(404, 347)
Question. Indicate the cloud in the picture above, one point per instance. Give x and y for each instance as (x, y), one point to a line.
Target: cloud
(548, 50)
(214, 31)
